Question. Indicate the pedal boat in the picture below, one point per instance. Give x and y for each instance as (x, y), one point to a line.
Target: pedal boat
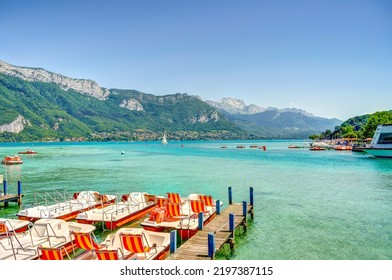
(132, 207)
(68, 209)
(183, 217)
(12, 225)
(130, 244)
(49, 233)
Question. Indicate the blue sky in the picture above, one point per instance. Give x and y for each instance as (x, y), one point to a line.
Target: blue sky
(331, 58)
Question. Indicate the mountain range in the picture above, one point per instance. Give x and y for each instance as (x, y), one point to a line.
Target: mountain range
(272, 122)
(39, 105)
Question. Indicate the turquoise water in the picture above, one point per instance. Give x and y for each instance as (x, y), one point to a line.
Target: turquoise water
(308, 205)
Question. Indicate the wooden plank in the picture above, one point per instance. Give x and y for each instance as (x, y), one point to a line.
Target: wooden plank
(9, 197)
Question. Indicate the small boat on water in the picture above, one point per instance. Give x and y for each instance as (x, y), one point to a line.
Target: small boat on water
(343, 148)
(12, 226)
(28, 152)
(164, 139)
(130, 244)
(304, 145)
(241, 147)
(9, 160)
(132, 207)
(381, 145)
(317, 149)
(223, 147)
(68, 208)
(291, 146)
(181, 214)
(47, 233)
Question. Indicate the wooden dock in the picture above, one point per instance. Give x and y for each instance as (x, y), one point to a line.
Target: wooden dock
(5, 197)
(11, 198)
(196, 248)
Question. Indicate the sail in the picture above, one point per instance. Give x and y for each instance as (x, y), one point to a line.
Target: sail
(164, 140)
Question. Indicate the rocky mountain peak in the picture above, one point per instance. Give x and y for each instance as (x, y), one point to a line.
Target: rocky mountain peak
(83, 86)
(235, 106)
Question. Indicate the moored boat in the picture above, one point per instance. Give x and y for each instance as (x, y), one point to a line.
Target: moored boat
(291, 146)
(12, 226)
(68, 208)
(317, 149)
(132, 207)
(381, 145)
(52, 233)
(343, 148)
(128, 243)
(140, 244)
(9, 160)
(28, 152)
(183, 217)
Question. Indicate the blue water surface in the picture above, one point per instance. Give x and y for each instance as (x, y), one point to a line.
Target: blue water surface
(309, 205)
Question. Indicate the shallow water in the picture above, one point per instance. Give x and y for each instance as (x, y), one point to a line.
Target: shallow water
(308, 204)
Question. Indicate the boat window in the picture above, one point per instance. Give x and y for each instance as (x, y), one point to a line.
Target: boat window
(385, 138)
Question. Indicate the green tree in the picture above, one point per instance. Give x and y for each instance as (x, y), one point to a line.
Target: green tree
(384, 117)
(348, 132)
(314, 136)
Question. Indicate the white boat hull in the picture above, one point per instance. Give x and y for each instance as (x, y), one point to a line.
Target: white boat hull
(381, 153)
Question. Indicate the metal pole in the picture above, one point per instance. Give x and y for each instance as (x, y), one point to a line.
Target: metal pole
(230, 196)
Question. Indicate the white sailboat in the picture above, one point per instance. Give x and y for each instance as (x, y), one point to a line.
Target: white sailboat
(164, 140)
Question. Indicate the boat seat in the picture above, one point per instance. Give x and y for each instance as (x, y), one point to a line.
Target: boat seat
(52, 253)
(207, 199)
(198, 206)
(86, 241)
(3, 228)
(174, 198)
(138, 244)
(108, 254)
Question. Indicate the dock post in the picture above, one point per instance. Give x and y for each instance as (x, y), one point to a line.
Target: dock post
(19, 193)
(200, 220)
(244, 208)
(232, 244)
(173, 241)
(244, 213)
(251, 195)
(230, 196)
(218, 207)
(5, 191)
(5, 186)
(211, 245)
(231, 224)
